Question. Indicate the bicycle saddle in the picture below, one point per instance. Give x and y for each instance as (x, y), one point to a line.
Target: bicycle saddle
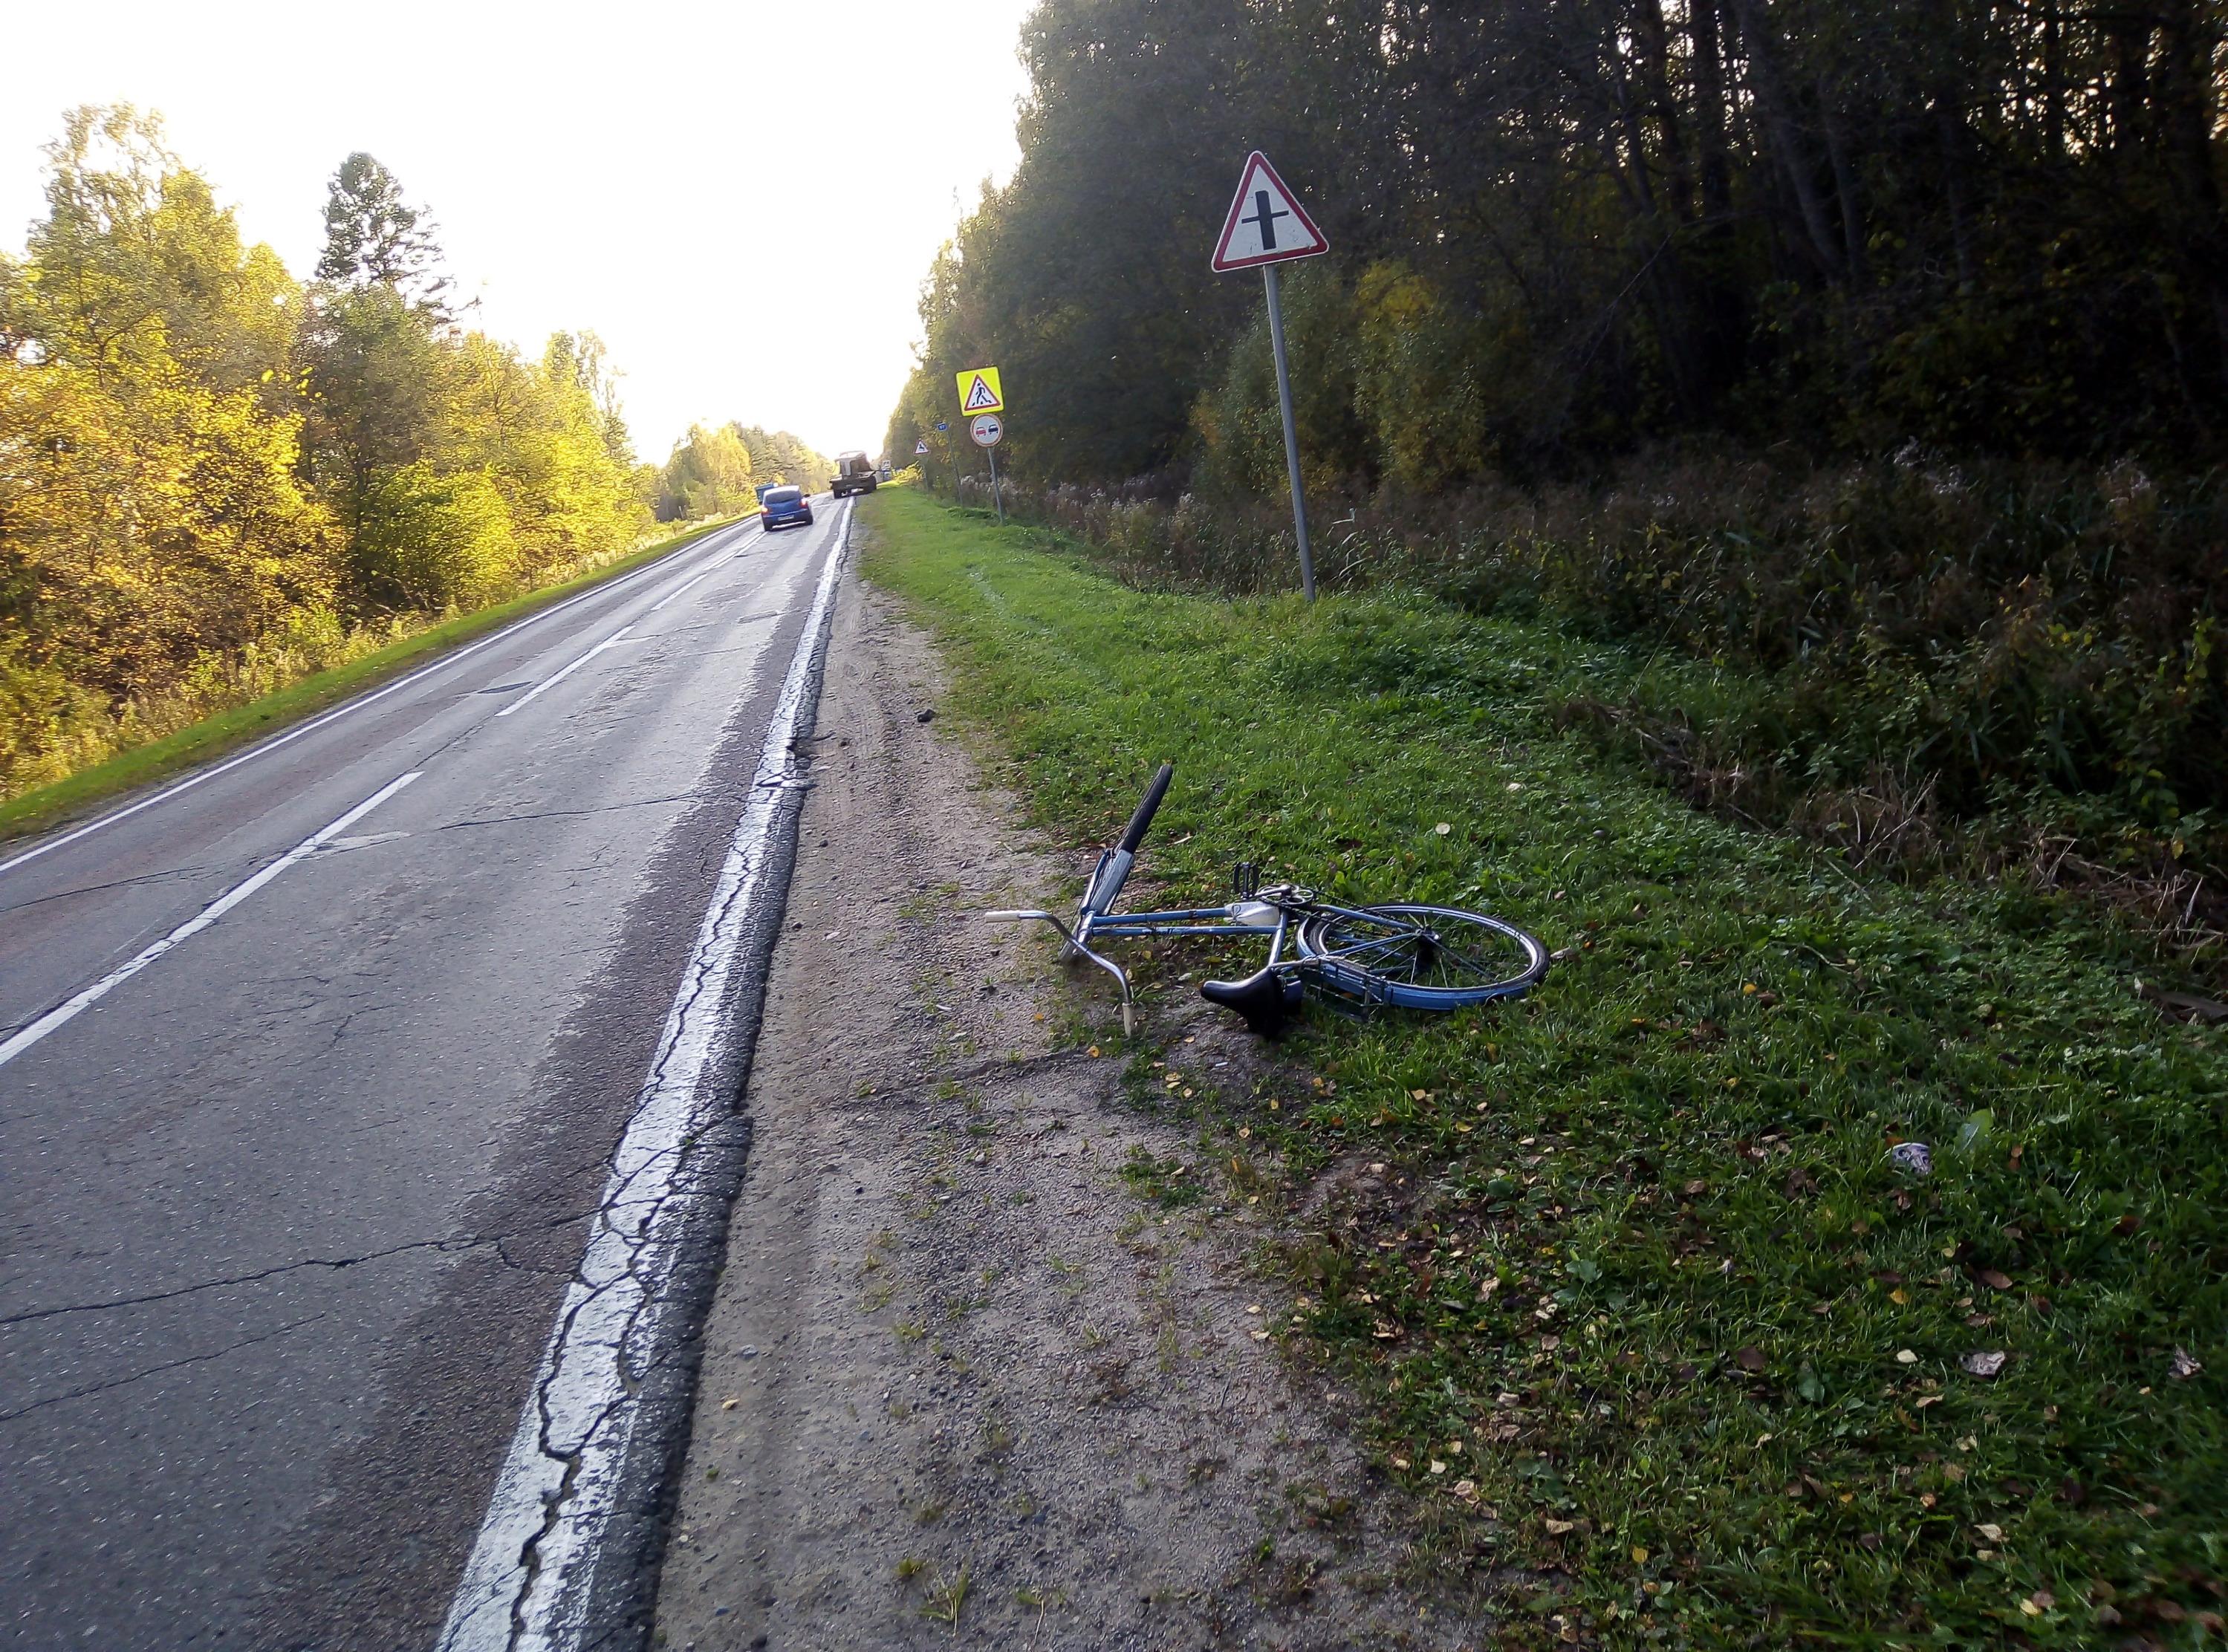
(1264, 999)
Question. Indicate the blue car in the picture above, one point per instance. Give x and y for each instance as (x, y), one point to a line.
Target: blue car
(785, 508)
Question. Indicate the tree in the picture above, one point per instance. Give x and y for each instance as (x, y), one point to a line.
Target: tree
(709, 474)
(135, 259)
(377, 371)
(778, 456)
(582, 359)
(1564, 229)
(151, 509)
(373, 237)
(208, 474)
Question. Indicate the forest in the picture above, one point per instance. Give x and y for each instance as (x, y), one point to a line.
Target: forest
(1865, 365)
(716, 471)
(216, 478)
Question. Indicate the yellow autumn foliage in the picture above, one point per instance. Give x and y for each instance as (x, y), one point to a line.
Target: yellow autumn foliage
(213, 480)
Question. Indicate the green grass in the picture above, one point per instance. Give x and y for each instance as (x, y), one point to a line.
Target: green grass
(1639, 1247)
(213, 736)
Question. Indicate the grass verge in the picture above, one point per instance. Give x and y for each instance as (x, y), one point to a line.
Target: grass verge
(213, 736)
(1632, 1295)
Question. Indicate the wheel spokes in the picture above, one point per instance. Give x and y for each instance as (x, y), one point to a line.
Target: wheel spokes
(1358, 948)
(1414, 953)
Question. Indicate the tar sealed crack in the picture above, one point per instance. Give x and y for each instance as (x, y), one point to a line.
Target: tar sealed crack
(453, 1245)
(156, 1370)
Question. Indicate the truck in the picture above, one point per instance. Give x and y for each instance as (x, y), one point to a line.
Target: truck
(855, 473)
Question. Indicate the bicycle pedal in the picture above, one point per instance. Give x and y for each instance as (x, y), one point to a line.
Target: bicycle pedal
(1245, 879)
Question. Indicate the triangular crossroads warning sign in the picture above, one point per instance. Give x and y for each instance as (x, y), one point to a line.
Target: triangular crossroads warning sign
(1266, 223)
(980, 391)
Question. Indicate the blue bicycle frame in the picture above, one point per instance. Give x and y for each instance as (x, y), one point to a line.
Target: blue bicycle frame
(1095, 921)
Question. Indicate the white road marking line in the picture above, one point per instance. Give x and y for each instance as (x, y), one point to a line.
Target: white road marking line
(68, 1009)
(524, 1589)
(680, 590)
(264, 748)
(546, 683)
(612, 641)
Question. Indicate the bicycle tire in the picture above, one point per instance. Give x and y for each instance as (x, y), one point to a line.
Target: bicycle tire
(1143, 818)
(1408, 962)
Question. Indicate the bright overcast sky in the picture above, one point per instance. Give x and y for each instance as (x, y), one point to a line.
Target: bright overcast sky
(741, 197)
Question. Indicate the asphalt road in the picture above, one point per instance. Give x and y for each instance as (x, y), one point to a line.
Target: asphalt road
(285, 1212)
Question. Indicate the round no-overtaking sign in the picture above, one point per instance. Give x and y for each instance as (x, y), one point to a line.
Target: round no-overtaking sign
(986, 430)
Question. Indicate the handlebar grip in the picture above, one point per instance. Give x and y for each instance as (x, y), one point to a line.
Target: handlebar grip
(1143, 818)
(1011, 916)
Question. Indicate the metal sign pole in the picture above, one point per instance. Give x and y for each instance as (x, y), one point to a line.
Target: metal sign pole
(995, 498)
(1291, 436)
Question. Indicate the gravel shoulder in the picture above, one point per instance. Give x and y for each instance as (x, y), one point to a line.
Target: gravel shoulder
(963, 1385)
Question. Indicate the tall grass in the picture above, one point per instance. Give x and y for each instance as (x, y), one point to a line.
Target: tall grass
(1636, 1301)
(1996, 668)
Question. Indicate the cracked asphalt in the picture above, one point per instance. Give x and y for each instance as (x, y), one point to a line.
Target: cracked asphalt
(286, 1217)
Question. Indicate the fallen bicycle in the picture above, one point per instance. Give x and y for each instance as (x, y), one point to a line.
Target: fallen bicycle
(1408, 955)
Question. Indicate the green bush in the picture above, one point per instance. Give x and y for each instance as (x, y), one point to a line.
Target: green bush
(432, 542)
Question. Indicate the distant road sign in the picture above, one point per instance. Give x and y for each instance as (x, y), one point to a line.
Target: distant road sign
(986, 430)
(1266, 224)
(920, 446)
(980, 391)
(944, 423)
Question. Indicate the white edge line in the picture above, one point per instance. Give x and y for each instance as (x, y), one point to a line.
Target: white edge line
(262, 747)
(556, 1508)
(68, 1009)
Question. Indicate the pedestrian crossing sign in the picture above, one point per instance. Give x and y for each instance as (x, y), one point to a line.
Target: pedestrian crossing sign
(979, 391)
(920, 447)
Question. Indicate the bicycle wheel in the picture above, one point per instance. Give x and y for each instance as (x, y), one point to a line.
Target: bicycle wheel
(1417, 956)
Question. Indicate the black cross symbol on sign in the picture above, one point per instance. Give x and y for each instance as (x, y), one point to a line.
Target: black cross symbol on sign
(1266, 216)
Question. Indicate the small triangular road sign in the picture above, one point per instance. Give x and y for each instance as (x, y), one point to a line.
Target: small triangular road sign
(1266, 223)
(920, 447)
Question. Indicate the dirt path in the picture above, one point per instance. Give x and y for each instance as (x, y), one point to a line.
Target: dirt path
(963, 1384)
